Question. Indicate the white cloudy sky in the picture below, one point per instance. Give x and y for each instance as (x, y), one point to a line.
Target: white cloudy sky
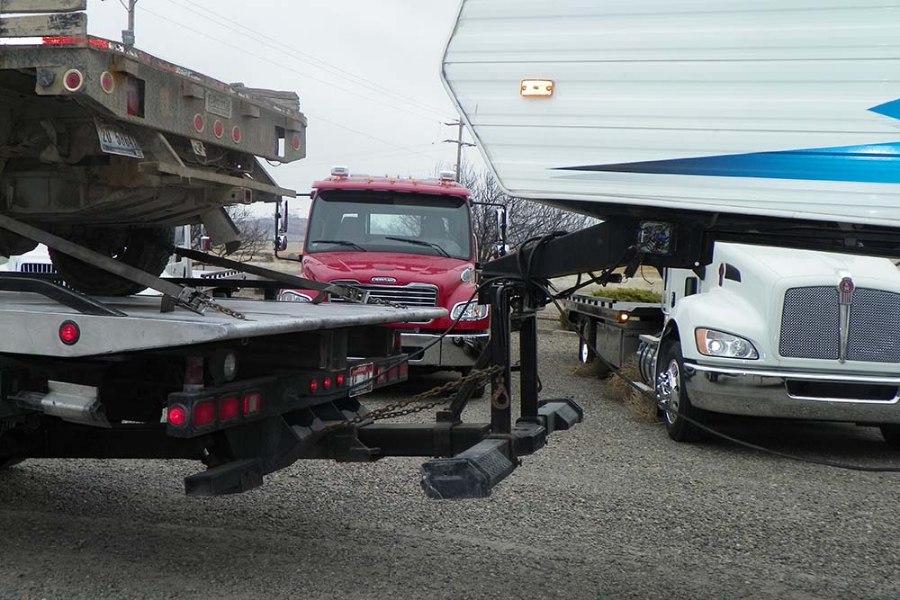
(367, 71)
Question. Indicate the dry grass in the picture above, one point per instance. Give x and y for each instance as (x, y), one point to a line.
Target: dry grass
(640, 407)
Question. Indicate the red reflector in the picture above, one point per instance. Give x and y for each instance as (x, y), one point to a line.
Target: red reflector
(199, 123)
(204, 414)
(57, 40)
(252, 403)
(73, 80)
(177, 416)
(339, 379)
(296, 142)
(381, 376)
(193, 373)
(313, 386)
(236, 134)
(69, 333)
(107, 83)
(326, 383)
(229, 408)
(218, 129)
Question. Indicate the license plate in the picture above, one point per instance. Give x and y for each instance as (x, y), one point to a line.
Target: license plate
(113, 141)
(361, 379)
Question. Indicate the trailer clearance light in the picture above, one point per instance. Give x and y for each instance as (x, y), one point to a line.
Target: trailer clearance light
(313, 386)
(536, 88)
(339, 379)
(69, 333)
(623, 316)
(326, 384)
(252, 403)
(73, 80)
(717, 343)
(204, 414)
(236, 135)
(199, 123)
(218, 129)
(176, 416)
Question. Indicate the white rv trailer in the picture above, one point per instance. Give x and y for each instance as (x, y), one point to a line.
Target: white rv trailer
(783, 109)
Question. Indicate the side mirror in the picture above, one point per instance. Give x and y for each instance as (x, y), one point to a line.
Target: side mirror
(205, 243)
(281, 242)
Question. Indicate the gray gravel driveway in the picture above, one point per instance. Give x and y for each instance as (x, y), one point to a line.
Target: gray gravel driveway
(612, 509)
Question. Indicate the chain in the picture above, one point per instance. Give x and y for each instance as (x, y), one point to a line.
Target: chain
(401, 408)
(380, 302)
(210, 303)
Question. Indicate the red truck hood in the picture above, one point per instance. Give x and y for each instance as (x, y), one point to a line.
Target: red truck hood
(363, 266)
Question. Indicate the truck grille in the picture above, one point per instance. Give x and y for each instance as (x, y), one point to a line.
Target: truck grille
(36, 268)
(810, 325)
(414, 294)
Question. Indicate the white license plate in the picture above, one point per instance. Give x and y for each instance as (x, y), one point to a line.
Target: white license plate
(362, 379)
(113, 141)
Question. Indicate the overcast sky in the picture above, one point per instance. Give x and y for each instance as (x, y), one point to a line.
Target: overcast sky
(367, 71)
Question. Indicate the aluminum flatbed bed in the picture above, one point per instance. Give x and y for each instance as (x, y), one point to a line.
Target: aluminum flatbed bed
(30, 323)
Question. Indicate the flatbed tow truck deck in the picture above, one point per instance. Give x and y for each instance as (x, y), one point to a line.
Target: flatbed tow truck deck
(29, 321)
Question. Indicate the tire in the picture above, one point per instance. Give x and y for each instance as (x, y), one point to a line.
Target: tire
(147, 249)
(587, 340)
(673, 395)
(891, 434)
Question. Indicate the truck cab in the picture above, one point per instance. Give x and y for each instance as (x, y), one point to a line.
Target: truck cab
(407, 242)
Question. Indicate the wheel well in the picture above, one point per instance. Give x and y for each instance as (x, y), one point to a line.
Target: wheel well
(670, 332)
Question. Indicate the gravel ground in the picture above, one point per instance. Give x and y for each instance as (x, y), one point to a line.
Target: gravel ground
(610, 509)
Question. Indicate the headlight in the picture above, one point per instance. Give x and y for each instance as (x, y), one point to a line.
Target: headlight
(470, 311)
(467, 275)
(716, 343)
(288, 296)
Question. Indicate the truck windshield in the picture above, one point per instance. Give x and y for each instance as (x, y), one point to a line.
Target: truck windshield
(387, 222)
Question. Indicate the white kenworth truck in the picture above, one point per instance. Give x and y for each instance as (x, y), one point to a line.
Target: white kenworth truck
(104, 150)
(761, 331)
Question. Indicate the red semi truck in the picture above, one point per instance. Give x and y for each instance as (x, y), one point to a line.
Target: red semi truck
(407, 242)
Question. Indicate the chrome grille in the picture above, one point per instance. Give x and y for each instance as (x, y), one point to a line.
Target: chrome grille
(36, 268)
(810, 325)
(414, 294)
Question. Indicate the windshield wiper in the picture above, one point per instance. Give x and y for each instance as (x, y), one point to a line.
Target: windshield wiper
(340, 243)
(418, 243)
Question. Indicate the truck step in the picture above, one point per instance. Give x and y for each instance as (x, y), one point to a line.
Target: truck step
(230, 478)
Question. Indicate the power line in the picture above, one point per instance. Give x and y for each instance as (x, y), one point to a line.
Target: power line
(309, 59)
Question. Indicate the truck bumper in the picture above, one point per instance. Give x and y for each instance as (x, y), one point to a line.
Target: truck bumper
(794, 395)
(452, 352)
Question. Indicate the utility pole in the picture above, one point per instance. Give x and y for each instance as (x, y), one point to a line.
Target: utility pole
(128, 34)
(459, 145)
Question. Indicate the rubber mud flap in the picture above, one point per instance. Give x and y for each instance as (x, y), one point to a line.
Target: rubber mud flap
(470, 474)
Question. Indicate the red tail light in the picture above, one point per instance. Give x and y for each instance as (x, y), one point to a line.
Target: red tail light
(252, 403)
(218, 129)
(177, 416)
(229, 408)
(199, 123)
(326, 383)
(381, 376)
(204, 414)
(313, 386)
(236, 134)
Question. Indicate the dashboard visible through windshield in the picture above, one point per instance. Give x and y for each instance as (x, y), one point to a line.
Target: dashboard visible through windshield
(369, 221)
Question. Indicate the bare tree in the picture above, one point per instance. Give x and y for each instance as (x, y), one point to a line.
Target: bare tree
(256, 234)
(527, 219)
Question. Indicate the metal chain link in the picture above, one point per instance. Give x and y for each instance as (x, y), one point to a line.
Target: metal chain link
(210, 303)
(401, 408)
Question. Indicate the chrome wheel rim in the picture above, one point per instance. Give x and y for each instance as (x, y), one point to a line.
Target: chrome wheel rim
(670, 390)
(584, 352)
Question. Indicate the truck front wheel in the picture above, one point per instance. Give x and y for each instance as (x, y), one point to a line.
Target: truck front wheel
(146, 248)
(676, 404)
